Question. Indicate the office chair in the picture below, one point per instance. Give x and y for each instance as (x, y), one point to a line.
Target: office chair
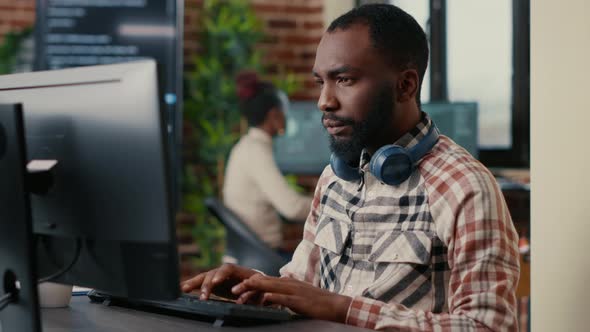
(242, 243)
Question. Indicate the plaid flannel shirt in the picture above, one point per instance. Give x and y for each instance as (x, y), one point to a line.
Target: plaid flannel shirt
(435, 253)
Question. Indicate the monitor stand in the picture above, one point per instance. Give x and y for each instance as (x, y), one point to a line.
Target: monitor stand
(17, 255)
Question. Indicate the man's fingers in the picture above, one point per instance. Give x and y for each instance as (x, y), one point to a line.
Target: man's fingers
(193, 283)
(207, 286)
(225, 271)
(249, 297)
(218, 281)
(241, 287)
(265, 284)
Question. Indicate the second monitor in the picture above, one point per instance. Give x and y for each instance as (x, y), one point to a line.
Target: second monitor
(305, 147)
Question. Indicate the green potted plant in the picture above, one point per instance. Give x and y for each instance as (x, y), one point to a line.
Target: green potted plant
(229, 37)
(10, 47)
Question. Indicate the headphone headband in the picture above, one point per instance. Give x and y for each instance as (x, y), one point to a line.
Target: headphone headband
(391, 164)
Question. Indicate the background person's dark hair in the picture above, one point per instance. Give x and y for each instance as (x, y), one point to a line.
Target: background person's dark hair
(256, 97)
(394, 33)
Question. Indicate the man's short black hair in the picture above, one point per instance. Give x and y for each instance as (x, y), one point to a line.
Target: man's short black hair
(394, 33)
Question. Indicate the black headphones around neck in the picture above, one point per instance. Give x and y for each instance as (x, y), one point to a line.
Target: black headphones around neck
(391, 164)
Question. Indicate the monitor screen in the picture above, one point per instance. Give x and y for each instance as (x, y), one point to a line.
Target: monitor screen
(72, 33)
(305, 146)
(457, 120)
(111, 186)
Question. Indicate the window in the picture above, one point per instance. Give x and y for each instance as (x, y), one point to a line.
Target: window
(479, 64)
(480, 52)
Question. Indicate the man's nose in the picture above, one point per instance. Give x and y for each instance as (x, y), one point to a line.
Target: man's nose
(327, 101)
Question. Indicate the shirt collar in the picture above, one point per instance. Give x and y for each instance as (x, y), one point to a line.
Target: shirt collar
(407, 140)
(414, 136)
(259, 135)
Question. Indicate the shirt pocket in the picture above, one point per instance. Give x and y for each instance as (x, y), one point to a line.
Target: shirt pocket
(402, 265)
(332, 236)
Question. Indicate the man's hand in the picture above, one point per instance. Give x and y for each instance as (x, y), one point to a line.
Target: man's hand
(298, 296)
(218, 281)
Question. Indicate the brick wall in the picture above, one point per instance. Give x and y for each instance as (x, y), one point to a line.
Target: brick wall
(292, 34)
(293, 29)
(191, 28)
(15, 15)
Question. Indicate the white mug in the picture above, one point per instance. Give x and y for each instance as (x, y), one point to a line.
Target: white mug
(52, 295)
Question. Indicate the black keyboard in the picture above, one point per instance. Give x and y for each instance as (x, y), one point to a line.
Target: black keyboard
(189, 306)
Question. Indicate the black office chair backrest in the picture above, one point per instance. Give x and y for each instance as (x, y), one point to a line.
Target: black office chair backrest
(242, 243)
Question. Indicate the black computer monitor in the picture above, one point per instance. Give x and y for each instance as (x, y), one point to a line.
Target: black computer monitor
(111, 194)
(19, 310)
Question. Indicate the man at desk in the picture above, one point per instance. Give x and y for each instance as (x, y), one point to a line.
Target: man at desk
(430, 247)
(254, 187)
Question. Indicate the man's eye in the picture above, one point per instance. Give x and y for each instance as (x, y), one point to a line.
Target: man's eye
(319, 82)
(344, 80)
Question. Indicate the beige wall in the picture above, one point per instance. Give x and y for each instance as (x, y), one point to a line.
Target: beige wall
(335, 8)
(560, 166)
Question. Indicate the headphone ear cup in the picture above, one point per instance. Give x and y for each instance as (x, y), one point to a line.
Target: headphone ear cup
(343, 170)
(391, 164)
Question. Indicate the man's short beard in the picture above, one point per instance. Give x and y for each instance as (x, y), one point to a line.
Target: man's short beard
(368, 132)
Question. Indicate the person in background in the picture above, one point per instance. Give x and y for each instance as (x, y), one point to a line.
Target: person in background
(254, 187)
(397, 243)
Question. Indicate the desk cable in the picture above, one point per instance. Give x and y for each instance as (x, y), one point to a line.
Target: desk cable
(68, 267)
(11, 297)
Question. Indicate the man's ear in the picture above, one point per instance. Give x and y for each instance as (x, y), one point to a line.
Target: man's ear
(407, 85)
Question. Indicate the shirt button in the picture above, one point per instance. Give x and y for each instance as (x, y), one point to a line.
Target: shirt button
(349, 289)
